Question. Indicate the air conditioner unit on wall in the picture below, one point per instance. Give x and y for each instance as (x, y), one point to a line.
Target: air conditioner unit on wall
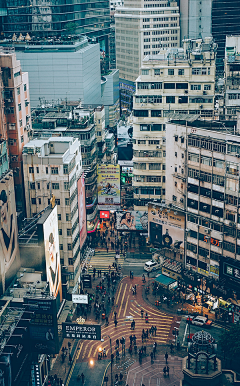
(206, 230)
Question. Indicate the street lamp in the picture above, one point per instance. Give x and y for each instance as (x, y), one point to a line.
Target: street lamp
(112, 355)
(201, 281)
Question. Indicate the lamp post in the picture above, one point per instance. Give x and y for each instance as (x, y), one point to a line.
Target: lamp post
(201, 282)
(112, 356)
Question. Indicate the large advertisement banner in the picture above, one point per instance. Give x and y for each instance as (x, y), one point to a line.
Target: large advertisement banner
(9, 249)
(43, 328)
(52, 254)
(124, 135)
(132, 221)
(82, 211)
(108, 180)
(166, 227)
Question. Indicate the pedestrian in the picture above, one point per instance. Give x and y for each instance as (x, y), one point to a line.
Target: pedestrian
(133, 324)
(121, 376)
(70, 359)
(154, 352)
(171, 348)
(115, 322)
(146, 333)
(107, 249)
(166, 357)
(155, 330)
(142, 338)
(117, 343)
(113, 298)
(167, 370)
(145, 349)
(142, 313)
(82, 378)
(115, 315)
(151, 355)
(116, 377)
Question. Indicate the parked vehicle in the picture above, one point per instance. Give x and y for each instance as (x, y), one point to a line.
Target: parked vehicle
(151, 266)
(201, 321)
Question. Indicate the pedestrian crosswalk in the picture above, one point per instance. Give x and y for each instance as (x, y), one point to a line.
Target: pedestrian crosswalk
(101, 261)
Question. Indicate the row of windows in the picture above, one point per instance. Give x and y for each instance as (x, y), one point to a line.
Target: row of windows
(149, 179)
(150, 190)
(69, 232)
(151, 166)
(207, 177)
(230, 247)
(208, 144)
(55, 185)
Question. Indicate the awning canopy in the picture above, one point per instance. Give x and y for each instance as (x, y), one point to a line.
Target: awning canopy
(165, 280)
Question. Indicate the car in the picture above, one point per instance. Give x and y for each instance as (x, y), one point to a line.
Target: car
(151, 265)
(201, 321)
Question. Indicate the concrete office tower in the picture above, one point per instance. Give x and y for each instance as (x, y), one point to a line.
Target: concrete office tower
(53, 166)
(211, 194)
(142, 28)
(195, 19)
(62, 71)
(180, 80)
(232, 77)
(16, 118)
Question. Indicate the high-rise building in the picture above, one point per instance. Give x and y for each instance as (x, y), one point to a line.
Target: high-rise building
(232, 77)
(210, 195)
(179, 81)
(52, 167)
(15, 116)
(143, 28)
(195, 19)
(225, 21)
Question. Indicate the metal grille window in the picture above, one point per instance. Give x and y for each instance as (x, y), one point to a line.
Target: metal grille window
(155, 166)
(192, 247)
(230, 247)
(193, 157)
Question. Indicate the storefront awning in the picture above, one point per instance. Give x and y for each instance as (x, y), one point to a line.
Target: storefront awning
(165, 280)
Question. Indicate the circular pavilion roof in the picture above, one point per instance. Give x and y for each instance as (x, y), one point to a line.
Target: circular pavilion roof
(203, 338)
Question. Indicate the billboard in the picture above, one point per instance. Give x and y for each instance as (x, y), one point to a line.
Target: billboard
(9, 249)
(82, 211)
(80, 299)
(52, 254)
(166, 227)
(124, 135)
(81, 331)
(108, 180)
(104, 214)
(43, 327)
(131, 221)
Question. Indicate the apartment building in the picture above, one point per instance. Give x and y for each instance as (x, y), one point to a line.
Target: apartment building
(181, 81)
(232, 77)
(142, 28)
(210, 195)
(16, 117)
(52, 167)
(78, 122)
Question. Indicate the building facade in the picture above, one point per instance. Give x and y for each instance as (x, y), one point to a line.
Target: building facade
(179, 81)
(62, 71)
(210, 194)
(232, 77)
(52, 167)
(16, 126)
(195, 19)
(143, 28)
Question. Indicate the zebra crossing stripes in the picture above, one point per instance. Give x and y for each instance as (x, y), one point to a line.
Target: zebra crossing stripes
(102, 260)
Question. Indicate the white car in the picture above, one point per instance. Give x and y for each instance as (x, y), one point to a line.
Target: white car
(151, 266)
(201, 321)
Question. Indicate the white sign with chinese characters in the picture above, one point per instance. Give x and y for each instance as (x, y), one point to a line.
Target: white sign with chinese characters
(80, 299)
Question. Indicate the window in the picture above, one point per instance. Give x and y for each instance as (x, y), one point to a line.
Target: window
(207, 87)
(140, 113)
(69, 246)
(170, 99)
(195, 86)
(174, 198)
(31, 169)
(38, 185)
(206, 161)
(183, 99)
(32, 185)
(67, 201)
(22, 139)
(60, 232)
(68, 216)
(70, 261)
(34, 201)
(69, 232)
(19, 107)
(156, 127)
(55, 185)
(20, 122)
(156, 113)
(66, 186)
(145, 127)
(170, 71)
(181, 71)
(46, 170)
(18, 91)
(54, 170)
(48, 185)
(169, 86)
(218, 163)
(17, 74)
(59, 217)
(157, 71)
(39, 201)
(145, 72)
(61, 247)
(65, 169)
(37, 168)
(25, 87)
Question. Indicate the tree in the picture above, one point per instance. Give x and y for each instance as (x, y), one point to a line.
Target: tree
(71, 27)
(230, 341)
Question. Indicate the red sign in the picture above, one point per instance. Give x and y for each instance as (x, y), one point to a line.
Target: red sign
(212, 241)
(104, 214)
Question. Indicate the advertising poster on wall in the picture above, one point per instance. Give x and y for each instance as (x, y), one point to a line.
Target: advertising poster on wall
(43, 327)
(124, 135)
(52, 254)
(166, 227)
(9, 249)
(82, 211)
(108, 180)
(132, 221)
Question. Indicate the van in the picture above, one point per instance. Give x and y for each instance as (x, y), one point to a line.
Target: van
(150, 266)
